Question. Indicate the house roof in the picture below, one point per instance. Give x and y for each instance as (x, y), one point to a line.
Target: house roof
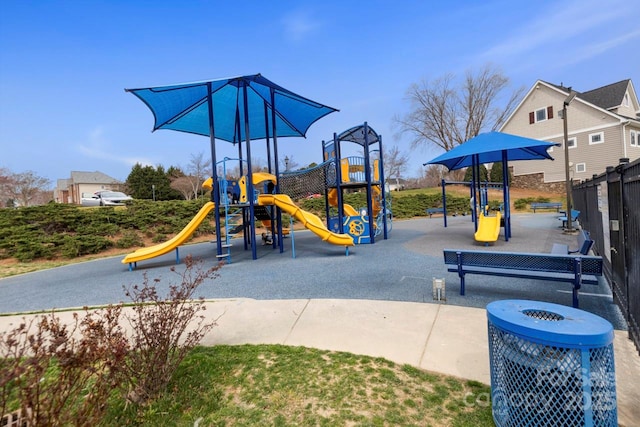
(607, 97)
(96, 177)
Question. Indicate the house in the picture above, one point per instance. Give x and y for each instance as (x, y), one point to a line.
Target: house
(396, 184)
(70, 190)
(603, 126)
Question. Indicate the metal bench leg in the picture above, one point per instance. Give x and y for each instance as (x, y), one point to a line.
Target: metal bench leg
(577, 281)
(460, 272)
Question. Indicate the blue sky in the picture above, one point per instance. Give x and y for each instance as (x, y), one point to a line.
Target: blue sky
(64, 66)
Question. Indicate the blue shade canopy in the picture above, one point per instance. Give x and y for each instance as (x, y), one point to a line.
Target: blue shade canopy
(356, 134)
(489, 148)
(185, 108)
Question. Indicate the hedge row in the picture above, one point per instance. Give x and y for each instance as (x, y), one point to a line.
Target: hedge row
(58, 230)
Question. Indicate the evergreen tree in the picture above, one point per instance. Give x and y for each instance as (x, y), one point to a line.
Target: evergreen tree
(496, 172)
(484, 174)
(145, 182)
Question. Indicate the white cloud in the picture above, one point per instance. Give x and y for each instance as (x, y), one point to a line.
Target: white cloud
(601, 47)
(98, 147)
(298, 25)
(555, 26)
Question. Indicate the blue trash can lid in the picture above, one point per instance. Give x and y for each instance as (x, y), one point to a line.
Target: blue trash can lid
(550, 323)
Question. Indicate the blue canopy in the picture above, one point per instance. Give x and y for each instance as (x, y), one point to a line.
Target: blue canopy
(185, 108)
(237, 110)
(489, 148)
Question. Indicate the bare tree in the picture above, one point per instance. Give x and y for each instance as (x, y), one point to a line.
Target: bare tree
(287, 163)
(447, 115)
(394, 164)
(23, 188)
(185, 185)
(199, 168)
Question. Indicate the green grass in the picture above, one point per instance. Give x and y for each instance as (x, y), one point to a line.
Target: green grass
(270, 385)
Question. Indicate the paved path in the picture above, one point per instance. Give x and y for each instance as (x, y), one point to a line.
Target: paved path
(376, 301)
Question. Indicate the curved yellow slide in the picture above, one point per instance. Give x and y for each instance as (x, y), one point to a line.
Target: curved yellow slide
(177, 240)
(309, 220)
(346, 208)
(488, 228)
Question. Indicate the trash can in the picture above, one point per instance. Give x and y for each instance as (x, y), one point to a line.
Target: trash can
(551, 365)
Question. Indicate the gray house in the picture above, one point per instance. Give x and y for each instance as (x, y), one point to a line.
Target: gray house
(603, 127)
(70, 190)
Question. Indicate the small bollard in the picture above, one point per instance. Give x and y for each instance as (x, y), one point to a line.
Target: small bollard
(439, 290)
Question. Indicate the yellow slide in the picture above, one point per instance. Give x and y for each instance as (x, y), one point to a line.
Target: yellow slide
(346, 208)
(309, 220)
(488, 228)
(162, 248)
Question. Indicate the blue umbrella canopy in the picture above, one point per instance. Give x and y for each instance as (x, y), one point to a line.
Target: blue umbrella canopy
(234, 109)
(186, 107)
(490, 147)
(494, 147)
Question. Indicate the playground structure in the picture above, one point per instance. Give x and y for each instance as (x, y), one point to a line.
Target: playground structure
(235, 197)
(354, 173)
(261, 197)
(487, 227)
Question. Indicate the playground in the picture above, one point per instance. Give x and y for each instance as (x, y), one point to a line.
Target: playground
(257, 201)
(243, 109)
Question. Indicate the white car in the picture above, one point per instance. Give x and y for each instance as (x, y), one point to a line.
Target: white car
(106, 198)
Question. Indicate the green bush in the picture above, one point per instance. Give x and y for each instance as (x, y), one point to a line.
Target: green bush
(522, 204)
(75, 246)
(129, 239)
(159, 238)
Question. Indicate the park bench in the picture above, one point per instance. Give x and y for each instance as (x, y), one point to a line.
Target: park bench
(431, 211)
(546, 205)
(575, 269)
(574, 217)
(584, 245)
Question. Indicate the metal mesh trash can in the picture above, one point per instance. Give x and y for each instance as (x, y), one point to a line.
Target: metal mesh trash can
(551, 365)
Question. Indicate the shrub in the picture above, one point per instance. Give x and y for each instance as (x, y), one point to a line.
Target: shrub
(59, 374)
(159, 238)
(64, 374)
(129, 239)
(75, 246)
(159, 329)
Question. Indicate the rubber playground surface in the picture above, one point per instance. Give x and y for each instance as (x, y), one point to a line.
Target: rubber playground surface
(400, 268)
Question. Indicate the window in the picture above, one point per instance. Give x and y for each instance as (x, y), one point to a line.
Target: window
(625, 102)
(572, 142)
(541, 115)
(596, 138)
(581, 167)
(634, 138)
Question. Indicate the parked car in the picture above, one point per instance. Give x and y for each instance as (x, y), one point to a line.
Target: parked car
(106, 198)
